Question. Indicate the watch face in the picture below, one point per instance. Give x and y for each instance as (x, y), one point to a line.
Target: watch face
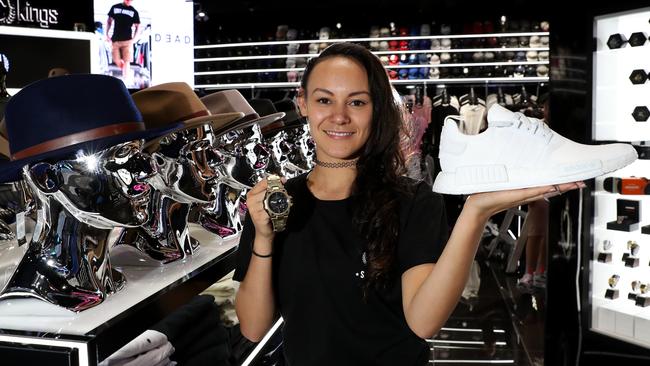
(278, 202)
(633, 247)
(607, 245)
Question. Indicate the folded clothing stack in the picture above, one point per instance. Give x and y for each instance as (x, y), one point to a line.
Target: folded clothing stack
(192, 335)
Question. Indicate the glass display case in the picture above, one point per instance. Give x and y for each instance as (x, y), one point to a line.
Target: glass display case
(619, 268)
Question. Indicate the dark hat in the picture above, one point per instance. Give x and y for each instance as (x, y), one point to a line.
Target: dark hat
(265, 107)
(291, 120)
(232, 101)
(55, 117)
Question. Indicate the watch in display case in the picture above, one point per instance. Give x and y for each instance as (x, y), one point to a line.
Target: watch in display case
(642, 299)
(277, 202)
(605, 256)
(628, 213)
(620, 73)
(612, 292)
(635, 290)
(631, 258)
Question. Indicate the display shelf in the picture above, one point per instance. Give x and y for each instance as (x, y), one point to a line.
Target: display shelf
(464, 64)
(613, 100)
(504, 80)
(638, 326)
(151, 293)
(270, 60)
(615, 96)
(372, 39)
(378, 53)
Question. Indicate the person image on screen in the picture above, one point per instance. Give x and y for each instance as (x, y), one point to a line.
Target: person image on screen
(125, 21)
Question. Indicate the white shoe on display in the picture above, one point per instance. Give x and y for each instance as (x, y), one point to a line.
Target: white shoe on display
(516, 151)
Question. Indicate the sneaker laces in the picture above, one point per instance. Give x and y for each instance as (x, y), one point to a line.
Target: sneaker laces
(533, 125)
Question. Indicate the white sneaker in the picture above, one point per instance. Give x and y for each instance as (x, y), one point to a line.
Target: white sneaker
(525, 281)
(519, 152)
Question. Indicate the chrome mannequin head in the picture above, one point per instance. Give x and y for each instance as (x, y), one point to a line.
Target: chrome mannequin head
(244, 162)
(104, 189)
(281, 147)
(222, 217)
(245, 157)
(78, 202)
(302, 154)
(188, 163)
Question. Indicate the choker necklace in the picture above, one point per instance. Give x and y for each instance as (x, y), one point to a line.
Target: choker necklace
(345, 164)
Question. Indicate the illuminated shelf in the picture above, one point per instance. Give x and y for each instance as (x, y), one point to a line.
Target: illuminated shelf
(465, 64)
(378, 53)
(495, 80)
(373, 39)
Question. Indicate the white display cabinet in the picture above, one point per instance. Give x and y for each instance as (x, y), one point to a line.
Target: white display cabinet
(616, 94)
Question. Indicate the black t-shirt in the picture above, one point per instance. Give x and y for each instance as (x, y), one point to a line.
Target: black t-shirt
(317, 274)
(123, 19)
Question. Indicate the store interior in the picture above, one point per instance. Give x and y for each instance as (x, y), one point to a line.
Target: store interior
(91, 264)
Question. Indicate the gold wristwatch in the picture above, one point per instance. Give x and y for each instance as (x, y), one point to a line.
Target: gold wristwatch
(277, 202)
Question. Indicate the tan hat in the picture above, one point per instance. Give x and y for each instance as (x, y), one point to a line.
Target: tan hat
(171, 103)
(227, 101)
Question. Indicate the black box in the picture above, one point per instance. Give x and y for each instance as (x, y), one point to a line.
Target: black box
(632, 296)
(604, 257)
(645, 229)
(631, 262)
(628, 213)
(611, 294)
(642, 301)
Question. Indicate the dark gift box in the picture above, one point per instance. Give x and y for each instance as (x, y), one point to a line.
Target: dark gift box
(645, 229)
(628, 214)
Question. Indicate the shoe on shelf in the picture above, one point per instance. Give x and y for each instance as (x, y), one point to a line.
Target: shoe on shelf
(539, 280)
(526, 281)
(516, 151)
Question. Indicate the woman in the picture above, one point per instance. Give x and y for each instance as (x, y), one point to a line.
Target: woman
(359, 275)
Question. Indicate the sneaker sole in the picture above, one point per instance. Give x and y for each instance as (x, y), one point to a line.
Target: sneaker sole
(476, 179)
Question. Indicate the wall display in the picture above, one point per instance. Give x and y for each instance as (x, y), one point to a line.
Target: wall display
(33, 53)
(44, 14)
(620, 261)
(409, 57)
(161, 50)
(620, 107)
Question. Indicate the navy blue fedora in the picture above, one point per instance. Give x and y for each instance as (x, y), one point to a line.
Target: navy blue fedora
(52, 119)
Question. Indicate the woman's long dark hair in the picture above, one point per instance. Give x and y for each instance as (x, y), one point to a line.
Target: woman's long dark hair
(380, 165)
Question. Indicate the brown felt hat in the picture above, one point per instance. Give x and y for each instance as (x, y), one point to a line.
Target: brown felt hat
(171, 103)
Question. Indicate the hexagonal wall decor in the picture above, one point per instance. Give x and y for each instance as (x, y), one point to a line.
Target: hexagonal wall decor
(641, 114)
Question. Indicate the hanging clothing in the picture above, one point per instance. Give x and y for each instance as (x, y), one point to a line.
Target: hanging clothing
(416, 123)
(149, 348)
(473, 118)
